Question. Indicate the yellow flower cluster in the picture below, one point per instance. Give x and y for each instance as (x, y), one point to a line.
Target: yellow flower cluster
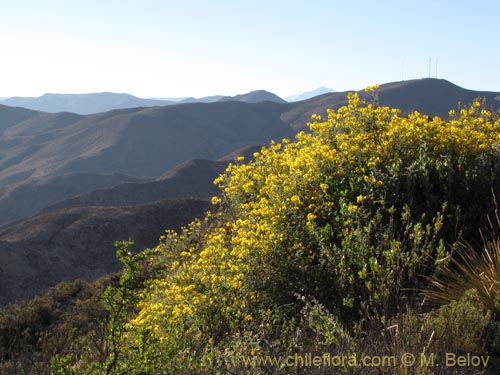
(198, 279)
(289, 185)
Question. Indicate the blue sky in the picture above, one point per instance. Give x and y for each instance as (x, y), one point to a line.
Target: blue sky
(196, 48)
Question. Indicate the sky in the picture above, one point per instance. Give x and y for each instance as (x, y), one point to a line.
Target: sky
(184, 48)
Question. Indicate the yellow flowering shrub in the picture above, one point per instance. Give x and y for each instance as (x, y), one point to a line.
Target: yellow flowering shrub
(349, 214)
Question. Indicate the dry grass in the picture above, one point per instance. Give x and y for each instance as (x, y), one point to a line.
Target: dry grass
(471, 269)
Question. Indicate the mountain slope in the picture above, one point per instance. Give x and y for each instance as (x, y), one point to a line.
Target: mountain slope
(147, 141)
(44, 250)
(42, 123)
(254, 97)
(192, 179)
(247, 152)
(434, 97)
(21, 200)
(10, 116)
(141, 142)
(82, 103)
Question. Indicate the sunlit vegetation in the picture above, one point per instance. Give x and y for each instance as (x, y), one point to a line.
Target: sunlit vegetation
(326, 243)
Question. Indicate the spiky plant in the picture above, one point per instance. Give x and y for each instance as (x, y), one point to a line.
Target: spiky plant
(471, 269)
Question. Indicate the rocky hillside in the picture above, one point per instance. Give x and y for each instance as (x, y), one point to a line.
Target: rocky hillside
(78, 243)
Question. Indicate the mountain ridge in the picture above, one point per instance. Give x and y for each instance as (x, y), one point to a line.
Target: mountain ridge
(142, 142)
(256, 96)
(151, 141)
(191, 179)
(309, 94)
(18, 201)
(82, 104)
(434, 97)
(91, 103)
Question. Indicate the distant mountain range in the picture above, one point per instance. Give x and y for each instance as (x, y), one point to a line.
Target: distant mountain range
(254, 97)
(85, 104)
(82, 103)
(309, 94)
(70, 184)
(206, 99)
(146, 142)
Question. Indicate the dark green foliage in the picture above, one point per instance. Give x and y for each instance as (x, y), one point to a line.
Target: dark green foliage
(61, 322)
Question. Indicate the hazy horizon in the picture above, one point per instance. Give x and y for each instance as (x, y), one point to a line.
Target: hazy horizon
(197, 49)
